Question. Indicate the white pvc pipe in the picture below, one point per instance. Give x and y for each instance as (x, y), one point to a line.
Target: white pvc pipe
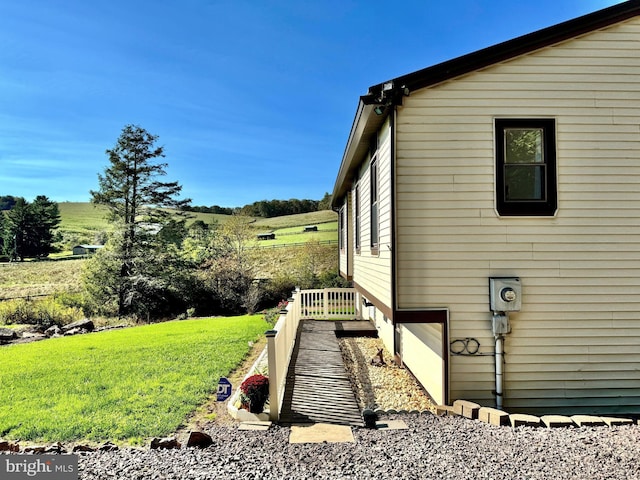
(499, 357)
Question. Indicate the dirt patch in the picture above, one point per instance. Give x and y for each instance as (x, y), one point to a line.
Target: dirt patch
(213, 413)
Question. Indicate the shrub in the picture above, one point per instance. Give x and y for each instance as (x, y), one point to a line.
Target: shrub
(271, 315)
(254, 392)
(45, 312)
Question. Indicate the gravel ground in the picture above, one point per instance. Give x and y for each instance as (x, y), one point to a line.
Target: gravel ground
(431, 448)
(381, 387)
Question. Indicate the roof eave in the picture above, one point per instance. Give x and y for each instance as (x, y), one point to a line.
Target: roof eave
(364, 124)
(366, 121)
(515, 47)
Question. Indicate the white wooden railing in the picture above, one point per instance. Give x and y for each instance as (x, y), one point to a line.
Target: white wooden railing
(328, 304)
(324, 304)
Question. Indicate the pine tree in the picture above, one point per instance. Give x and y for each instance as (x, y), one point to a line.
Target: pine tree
(29, 228)
(136, 201)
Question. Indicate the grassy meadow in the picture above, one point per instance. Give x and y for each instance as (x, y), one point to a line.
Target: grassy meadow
(299, 220)
(289, 229)
(83, 222)
(83, 217)
(23, 279)
(126, 385)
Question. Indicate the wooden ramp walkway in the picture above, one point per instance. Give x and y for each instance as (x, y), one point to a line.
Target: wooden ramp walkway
(318, 387)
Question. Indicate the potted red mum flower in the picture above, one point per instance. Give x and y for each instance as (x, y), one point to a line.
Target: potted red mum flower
(254, 392)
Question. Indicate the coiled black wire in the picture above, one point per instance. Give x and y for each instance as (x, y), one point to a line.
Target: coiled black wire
(467, 347)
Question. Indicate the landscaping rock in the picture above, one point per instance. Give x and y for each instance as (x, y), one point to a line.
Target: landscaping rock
(588, 420)
(75, 331)
(556, 421)
(493, 416)
(85, 324)
(466, 409)
(108, 447)
(395, 388)
(35, 449)
(7, 334)
(8, 446)
(524, 420)
(615, 421)
(53, 330)
(167, 443)
(55, 448)
(431, 447)
(83, 448)
(33, 335)
(199, 440)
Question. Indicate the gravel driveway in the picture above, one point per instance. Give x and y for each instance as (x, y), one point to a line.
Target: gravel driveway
(431, 448)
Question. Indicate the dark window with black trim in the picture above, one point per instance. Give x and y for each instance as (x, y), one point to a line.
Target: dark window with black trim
(356, 208)
(373, 181)
(526, 166)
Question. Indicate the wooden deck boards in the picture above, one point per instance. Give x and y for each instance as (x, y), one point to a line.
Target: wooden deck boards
(318, 387)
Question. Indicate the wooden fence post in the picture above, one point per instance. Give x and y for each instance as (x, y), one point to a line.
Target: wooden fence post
(274, 386)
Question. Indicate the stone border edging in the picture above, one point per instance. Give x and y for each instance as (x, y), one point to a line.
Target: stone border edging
(493, 416)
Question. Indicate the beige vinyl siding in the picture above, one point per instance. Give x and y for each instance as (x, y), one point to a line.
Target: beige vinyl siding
(385, 330)
(345, 238)
(345, 253)
(422, 354)
(372, 272)
(578, 334)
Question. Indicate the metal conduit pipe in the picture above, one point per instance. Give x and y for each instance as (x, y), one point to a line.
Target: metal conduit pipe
(499, 363)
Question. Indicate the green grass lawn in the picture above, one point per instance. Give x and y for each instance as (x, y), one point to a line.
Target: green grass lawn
(124, 385)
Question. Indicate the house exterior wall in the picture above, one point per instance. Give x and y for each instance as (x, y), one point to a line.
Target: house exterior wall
(345, 238)
(371, 269)
(574, 345)
(421, 351)
(383, 325)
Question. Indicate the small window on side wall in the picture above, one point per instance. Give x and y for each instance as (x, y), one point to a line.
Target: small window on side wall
(526, 167)
(341, 228)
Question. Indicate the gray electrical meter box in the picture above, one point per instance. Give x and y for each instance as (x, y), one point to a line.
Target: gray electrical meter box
(505, 294)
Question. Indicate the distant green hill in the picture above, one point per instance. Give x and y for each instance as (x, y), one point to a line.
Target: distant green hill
(83, 222)
(298, 220)
(82, 217)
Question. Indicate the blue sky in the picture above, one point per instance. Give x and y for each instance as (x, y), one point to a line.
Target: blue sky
(252, 100)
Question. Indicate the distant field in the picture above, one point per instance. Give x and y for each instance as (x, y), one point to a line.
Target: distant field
(83, 220)
(299, 220)
(82, 217)
(23, 279)
(80, 222)
(289, 238)
(87, 217)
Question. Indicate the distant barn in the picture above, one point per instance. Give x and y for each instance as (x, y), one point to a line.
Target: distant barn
(86, 249)
(266, 236)
(310, 228)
